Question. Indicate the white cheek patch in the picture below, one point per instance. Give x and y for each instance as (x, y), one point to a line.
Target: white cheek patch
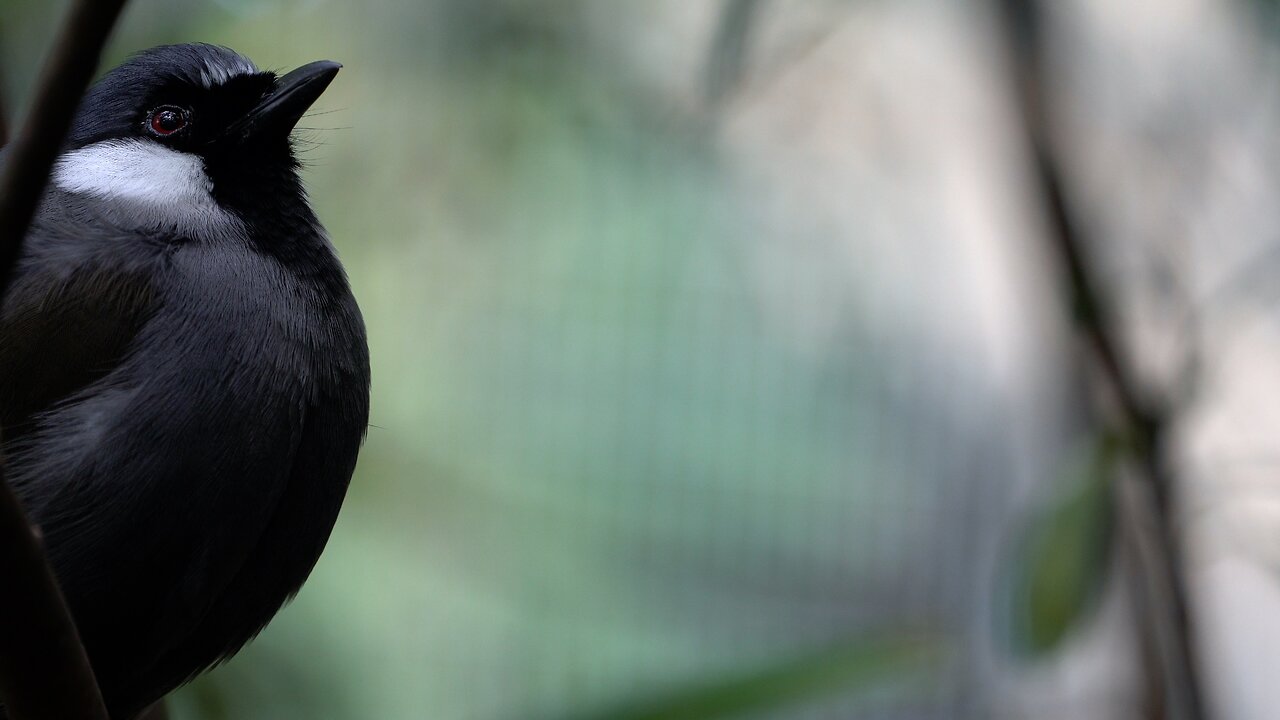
(142, 181)
(137, 170)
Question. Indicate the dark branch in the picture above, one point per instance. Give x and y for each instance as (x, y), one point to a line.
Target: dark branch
(1144, 421)
(4, 115)
(727, 59)
(65, 75)
(44, 673)
(43, 669)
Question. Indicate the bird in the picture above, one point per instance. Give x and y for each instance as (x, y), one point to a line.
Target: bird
(184, 370)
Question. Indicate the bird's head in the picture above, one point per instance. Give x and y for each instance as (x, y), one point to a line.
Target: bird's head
(187, 136)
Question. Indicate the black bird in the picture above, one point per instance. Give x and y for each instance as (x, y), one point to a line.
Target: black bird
(184, 375)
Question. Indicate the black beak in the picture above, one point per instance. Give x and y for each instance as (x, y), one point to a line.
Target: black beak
(281, 109)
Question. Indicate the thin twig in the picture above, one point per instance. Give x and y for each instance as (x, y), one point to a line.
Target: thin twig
(62, 82)
(727, 60)
(4, 113)
(4, 110)
(44, 672)
(1143, 420)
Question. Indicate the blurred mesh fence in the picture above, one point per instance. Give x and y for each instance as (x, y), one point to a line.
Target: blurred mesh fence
(690, 401)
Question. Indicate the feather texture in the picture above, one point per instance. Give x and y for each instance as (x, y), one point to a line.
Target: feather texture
(181, 401)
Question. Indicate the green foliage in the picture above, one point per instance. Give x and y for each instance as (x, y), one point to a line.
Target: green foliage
(1061, 560)
(857, 665)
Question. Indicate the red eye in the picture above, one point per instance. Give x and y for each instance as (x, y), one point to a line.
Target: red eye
(167, 120)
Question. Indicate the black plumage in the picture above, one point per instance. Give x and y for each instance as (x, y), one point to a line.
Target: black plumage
(184, 383)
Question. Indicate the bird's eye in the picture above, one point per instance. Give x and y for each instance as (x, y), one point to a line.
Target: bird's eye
(167, 120)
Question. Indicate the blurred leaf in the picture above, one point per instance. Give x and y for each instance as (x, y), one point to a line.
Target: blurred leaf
(862, 664)
(1061, 561)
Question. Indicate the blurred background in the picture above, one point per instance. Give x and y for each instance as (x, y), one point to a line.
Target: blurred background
(722, 368)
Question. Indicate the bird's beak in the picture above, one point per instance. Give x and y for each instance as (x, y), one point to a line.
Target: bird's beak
(281, 109)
